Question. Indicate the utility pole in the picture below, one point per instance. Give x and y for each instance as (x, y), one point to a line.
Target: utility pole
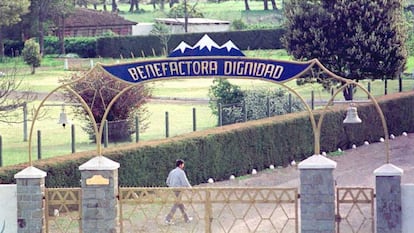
(185, 17)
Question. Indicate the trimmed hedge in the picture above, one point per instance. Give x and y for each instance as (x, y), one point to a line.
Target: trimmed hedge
(83, 46)
(140, 46)
(234, 149)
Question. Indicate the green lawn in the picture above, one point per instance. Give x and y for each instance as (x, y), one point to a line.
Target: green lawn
(225, 10)
(57, 140)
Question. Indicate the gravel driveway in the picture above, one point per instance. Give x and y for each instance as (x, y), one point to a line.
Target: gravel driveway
(355, 167)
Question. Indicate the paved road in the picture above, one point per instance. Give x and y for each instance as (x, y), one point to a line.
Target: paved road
(354, 168)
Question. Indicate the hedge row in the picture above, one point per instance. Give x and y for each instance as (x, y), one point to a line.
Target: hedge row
(234, 149)
(139, 46)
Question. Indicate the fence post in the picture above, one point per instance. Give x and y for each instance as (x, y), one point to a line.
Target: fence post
(99, 183)
(106, 138)
(290, 103)
(388, 198)
(30, 190)
(312, 100)
(194, 120)
(24, 122)
(167, 126)
(136, 129)
(317, 197)
(400, 83)
(220, 115)
(1, 151)
(66, 64)
(369, 88)
(385, 86)
(72, 134)
(268, 106)
(39, 145)
(244, 111)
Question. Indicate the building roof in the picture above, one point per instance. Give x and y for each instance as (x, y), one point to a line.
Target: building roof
(194, 21)
(83, 17)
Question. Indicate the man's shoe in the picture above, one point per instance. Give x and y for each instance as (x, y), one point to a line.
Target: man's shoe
(169, 222)
(189, 219)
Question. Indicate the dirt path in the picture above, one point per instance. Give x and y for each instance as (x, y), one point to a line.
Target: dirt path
(355, 167)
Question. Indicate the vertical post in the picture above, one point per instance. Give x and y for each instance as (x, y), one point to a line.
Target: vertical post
(369, 88)
(244, 111)
(388, 199)
(24, 122)
(209, 213)
(99, 185)
(385, 86)
(268, 106)
(1, 151)
(317, 197)
(312, 100)
(194, 120)
(220, 115)
(39, 145)
(66, 64)
(167, 126)
(30, 190)
(106, 133)
(290, 103)
(91, 63)
(400, 89)
(136, 129)
(72, 134)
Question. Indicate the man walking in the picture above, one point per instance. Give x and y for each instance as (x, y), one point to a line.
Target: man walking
(177, 178)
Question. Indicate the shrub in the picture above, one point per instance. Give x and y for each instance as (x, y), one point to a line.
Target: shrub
(31, 54)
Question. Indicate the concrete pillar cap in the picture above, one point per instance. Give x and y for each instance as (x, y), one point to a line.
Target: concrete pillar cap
(29, 173)
(388, 170)
(317, 162)
(99, 163)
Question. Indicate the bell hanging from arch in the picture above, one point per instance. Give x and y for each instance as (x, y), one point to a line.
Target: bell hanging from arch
(352, 116)
(63, 118)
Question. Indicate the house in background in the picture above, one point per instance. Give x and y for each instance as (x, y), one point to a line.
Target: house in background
(88, 23)
(177, 25)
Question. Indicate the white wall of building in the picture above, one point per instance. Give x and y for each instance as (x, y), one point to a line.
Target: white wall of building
(407, 203)
(8, 212)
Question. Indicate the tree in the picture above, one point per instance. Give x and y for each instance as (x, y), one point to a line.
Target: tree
(10, 13)
(31, 54)
(223, 92)
(97, 90)
(163, 33)
(132, 4)
(354, 39)
(10, 98)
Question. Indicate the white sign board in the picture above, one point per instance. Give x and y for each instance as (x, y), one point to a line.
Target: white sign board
(8, 213)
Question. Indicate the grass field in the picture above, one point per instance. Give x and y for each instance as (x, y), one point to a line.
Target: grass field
(55, 140)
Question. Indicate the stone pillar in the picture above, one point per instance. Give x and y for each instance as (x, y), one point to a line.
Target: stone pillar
(30, 188)
(99, 195)
(317, 195)
(388, 198)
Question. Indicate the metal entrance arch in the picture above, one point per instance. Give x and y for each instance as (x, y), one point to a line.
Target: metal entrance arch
(275, 71)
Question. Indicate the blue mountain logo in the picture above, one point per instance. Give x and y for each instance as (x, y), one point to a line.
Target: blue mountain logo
(206, 47)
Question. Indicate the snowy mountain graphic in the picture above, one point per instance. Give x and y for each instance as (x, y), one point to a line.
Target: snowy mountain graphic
(206, 47)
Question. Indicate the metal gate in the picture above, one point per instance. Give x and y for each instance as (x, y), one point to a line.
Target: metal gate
(243, 209)
(355, 210)
(63, 210)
